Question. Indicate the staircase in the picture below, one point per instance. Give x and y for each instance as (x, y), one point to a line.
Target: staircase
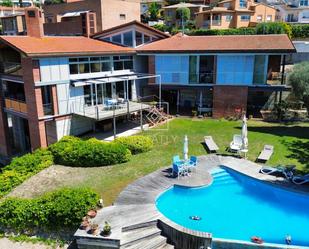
(222, 178)
(143, 236)
(155, 116)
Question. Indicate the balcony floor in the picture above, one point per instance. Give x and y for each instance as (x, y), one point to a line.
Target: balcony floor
(101, 113)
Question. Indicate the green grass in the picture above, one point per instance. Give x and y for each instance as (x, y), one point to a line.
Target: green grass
(291, 144)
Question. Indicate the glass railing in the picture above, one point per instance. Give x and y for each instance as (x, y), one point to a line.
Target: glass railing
(15, 105)
(11, 68)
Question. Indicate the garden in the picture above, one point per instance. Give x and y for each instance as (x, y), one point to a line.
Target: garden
(104, 169)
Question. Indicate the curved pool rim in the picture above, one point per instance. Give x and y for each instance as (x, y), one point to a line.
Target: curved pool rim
(225, 240)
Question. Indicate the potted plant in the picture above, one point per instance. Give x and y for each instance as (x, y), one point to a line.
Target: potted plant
(107, 230)
(92, 213)
(94, 229)
(85, 224)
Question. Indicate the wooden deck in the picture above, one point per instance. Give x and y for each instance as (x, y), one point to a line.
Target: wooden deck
(135, 206)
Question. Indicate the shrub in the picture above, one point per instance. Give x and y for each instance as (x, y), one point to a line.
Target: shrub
(136, 144)
(240, 31)
(21, 168)
(300, 30)
(73, 151)
(274, 28)
(56, 210)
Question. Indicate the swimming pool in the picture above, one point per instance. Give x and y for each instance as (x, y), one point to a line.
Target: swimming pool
(238, 207)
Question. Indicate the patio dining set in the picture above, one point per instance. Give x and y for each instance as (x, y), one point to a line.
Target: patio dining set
(114, 103)
(183, 167)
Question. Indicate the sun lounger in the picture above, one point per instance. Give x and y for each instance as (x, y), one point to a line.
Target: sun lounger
(286, 171)
(266, 153)
(210, 143)
(299, 180)
(236, 144)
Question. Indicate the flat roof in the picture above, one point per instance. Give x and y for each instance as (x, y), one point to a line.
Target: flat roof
(62, 45)
(220, 44)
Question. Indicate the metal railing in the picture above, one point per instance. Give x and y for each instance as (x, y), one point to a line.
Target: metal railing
(15, 105)
(11, 68)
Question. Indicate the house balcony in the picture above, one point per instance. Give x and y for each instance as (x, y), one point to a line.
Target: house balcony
(15, 105)
(11, 68)
(208, 24)
(108, 111)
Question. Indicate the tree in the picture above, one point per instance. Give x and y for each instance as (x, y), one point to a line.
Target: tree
(7, 3)
(274, 28)
(183, 13)
(154, 11)
(299, 80)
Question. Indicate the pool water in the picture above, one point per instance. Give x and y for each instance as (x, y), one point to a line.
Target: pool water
(238, 207)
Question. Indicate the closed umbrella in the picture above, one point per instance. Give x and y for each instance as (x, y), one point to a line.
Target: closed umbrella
(244, 133)
(185, 148)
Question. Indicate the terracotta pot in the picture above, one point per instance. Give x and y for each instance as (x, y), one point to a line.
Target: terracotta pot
(85, 224)
(92, 213)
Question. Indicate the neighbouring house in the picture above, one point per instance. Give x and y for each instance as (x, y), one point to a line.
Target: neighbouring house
(86, 17)
(8, 11)
(170, 16)
(14, 24)
(52, 86)
(145, 4)
(235, 14)
(294, 12)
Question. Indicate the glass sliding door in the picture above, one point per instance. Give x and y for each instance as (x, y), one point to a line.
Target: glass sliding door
(260, 70)
(193, 69)
(206, 67)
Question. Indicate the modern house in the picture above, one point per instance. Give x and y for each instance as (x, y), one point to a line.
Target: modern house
(58, 85)
(235, 14)
(294, 12)
(219, 75)
(74, 17)
(171, 18)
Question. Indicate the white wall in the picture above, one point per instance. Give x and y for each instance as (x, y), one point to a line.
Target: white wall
(54, 69)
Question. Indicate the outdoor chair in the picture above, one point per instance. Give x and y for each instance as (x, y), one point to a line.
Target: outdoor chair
(210, 143)
(299, 180)
(236, 144)
(266, 153)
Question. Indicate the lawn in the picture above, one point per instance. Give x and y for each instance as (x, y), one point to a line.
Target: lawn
(291, 147)
(291, 144)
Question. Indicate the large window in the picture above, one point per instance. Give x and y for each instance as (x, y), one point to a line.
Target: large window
(242, 4)
(303, 3)
(128, 39)
(123, 62)
(245, 18)
(89, 65)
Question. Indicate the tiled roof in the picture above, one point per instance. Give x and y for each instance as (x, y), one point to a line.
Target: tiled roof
(220, 44)
(62, 45)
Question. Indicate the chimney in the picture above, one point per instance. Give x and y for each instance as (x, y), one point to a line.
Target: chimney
(34, 22)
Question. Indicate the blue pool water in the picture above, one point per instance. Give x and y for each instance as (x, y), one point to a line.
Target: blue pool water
(237, 207)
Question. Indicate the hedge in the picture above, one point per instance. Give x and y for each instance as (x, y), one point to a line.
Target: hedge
(136, 144)
(73, 151)
(57, 210)
(292, 30)
(300, 30)
(22, 168)
(240, 31)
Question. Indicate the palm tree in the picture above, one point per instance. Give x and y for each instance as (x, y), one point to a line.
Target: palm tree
(154, 11)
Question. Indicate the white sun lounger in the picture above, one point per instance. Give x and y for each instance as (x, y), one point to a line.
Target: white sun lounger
(210, 143)
(266, 153)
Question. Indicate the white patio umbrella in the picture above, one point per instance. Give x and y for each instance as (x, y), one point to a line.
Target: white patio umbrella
(244, 133)
(185, 148)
